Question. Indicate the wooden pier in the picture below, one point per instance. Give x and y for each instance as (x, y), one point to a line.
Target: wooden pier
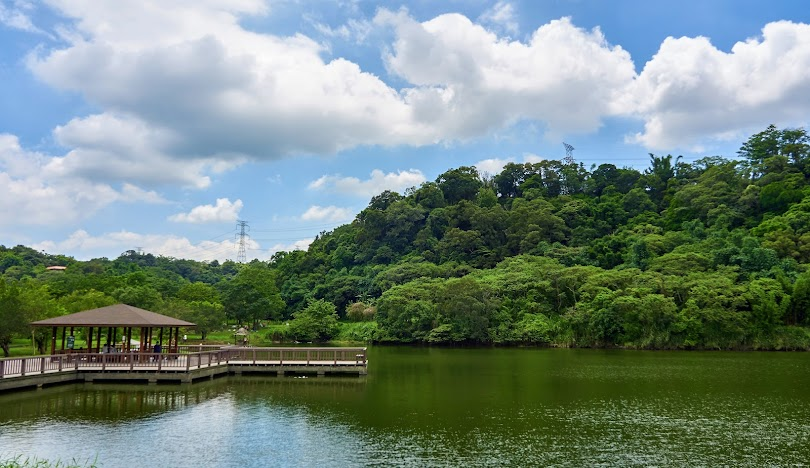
(192, 363)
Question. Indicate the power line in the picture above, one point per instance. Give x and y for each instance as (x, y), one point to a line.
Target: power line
(195, 248)
(306, 228)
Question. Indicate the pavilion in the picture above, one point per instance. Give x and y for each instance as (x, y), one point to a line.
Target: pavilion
(113, 318)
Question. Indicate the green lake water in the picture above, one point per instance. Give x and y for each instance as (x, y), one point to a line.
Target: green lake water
(441, 407)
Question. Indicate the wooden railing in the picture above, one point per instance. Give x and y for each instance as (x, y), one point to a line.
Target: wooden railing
(188, 349)
(356, 356)
(183, 361)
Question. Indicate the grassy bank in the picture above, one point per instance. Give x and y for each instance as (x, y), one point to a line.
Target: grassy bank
(21, 461)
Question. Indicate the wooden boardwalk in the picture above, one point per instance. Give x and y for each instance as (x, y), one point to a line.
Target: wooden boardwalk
(193, 364)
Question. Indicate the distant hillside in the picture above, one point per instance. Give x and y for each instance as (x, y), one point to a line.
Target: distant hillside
(708, 254)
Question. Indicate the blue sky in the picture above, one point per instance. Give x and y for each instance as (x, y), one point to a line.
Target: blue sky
(157, 125)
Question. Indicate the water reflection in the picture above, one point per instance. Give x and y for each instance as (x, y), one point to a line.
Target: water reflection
(100, 403)
(442, 407)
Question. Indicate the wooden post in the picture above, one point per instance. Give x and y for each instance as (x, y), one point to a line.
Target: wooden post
(90, 340)
(98, 340)
(53, 341)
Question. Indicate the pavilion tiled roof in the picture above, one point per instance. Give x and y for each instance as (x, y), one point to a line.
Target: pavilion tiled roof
(119, 315)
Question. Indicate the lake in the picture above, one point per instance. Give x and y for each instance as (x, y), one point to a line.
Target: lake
(440, 407)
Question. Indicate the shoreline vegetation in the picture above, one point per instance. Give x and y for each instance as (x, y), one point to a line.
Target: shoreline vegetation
(21, 461)
(708, 254)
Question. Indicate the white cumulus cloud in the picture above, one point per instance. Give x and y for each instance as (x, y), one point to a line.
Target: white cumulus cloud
(502, 14)
(691, 92)
(377, 183)
(302, 244)
(328, 213)
(223, 211)
(183, 90)
(494, 166)
(185, 83)
(17, 17)
(34, 195)
(83, 245)
(469, 81)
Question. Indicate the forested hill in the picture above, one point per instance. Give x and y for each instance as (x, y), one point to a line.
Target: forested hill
(708, 254)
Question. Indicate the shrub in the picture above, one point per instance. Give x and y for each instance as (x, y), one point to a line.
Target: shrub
(317, 322)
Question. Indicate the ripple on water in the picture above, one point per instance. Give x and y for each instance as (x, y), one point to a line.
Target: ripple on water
(563, 409)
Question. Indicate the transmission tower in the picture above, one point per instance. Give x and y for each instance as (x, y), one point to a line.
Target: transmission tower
(241, 257)
(569, 154)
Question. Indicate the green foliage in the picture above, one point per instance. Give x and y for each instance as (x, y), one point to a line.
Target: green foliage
(208, 316)
(12, 319)
(252, 295)
(21, 461)
(362, 332)
(80, 300)
(316, 323)
(459, 184)
(360, 312)
(468, 308)
(712, 254)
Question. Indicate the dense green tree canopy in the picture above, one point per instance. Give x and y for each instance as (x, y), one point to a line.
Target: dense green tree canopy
(713, 253)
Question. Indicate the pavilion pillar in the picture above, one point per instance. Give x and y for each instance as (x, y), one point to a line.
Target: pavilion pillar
(98, 341)
(90, 340)
(64, 332)
(115, 337)
(53, 341)
(129, 339)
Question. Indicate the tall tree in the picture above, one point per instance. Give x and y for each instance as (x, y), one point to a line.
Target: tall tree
(459, 184)
(12, 319)
(252, 295)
